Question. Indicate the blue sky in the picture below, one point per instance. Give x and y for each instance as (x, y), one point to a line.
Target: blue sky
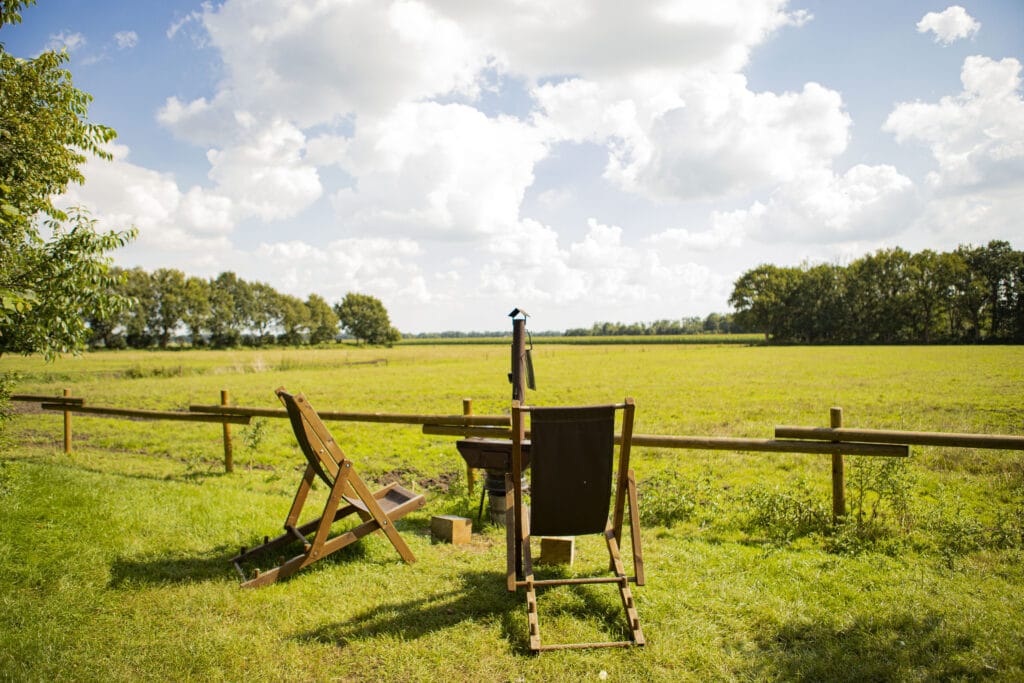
(586, 161)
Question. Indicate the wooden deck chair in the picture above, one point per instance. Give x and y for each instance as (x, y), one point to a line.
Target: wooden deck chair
(572, 453)
(378, 510)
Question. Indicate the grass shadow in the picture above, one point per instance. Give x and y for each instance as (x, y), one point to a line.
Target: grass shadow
(213, 565)
(872, 648)
(171, 568)
(480, 596)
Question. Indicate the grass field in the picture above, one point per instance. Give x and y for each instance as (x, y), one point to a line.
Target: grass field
(113, 560)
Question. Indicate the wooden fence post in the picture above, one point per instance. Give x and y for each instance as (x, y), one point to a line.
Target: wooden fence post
(229, 461)
(67, 426)
(838, 472)
(467, 409)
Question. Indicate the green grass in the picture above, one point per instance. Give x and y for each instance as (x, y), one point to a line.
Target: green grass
(113, 560)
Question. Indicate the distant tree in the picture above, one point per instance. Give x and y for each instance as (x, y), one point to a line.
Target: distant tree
(295, 319)
(230, 309)
(48, 284)
(197, 308)
(995, 266)
(323, 321)
(139, 331)
(760, 297)
(930, 278)
(169, 288)
(970, 294)
(815, 306)
(266, 310)
(107, 327)
(366, 319)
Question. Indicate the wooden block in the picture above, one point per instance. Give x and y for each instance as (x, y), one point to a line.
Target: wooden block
(451, 528)
(557, 550)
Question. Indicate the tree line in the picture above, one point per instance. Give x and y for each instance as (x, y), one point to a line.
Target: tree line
(224, 311)
(713, 323)
(968, 295)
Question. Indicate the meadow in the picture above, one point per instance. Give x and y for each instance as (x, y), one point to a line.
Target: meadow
(113, 560)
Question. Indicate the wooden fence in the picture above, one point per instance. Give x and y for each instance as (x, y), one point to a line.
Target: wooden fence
(836, 441)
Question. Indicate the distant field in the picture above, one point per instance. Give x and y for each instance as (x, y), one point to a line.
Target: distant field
(745, 338)
(113, 560)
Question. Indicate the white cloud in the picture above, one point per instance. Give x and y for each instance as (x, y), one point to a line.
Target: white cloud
(126, 39)
(728, 230)
(122, 194)
(600, 268)
(66, 40)
(313, 62)
(187, 21)
(385, 267)
(540, 39)
(820, 206)
(441, 170)
(976, 137)
(949, 25)
(266, 175)
(700, 136)
(977, 141)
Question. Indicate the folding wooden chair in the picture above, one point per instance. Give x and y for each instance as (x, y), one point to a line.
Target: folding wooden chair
(378, 510)
(572, 453)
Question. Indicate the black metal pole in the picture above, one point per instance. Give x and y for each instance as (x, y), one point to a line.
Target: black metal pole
(518, 377)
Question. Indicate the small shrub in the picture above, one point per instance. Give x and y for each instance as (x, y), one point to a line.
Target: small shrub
(952, 530)
(878, 495)
(669, 497)
(785, 515)
(254, 434)
(878, 489)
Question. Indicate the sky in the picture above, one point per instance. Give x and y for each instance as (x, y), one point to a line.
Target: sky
(581, 160)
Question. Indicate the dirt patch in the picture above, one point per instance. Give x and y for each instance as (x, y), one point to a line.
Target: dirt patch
(441, 483)
(403, 475)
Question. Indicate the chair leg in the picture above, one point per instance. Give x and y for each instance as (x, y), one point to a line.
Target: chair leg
(634, 531)
(532, 616)
(624, 592)
(382, 520)
(510, 535)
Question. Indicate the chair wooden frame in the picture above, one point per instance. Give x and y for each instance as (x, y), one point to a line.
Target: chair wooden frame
(378, 510)
(519, 568)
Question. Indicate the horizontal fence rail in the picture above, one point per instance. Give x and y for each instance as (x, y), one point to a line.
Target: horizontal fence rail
(710, 443)
(727, 443)
(999, 441)
(836, 441)
(342, 416)
(140, 413)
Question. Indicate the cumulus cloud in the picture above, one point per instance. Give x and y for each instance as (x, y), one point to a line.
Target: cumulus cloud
(437, 170)
(542, 39)
(977, 141)
(532, 261)
(949, 25)
(126, 40)
(122, 194)
(313, 62)
(728, 230)
(384, 266)
(424, 124)
(266, 175)
(698, 137)
(976, 137)
(66, 40)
